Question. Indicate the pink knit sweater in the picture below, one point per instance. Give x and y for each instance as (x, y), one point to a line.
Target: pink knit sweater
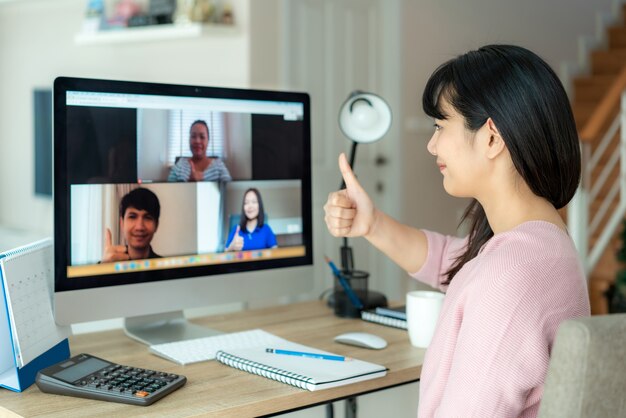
(490, 352)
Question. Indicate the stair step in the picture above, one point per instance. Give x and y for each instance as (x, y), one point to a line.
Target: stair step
(613, 245)
(593, 239)
(606, 187)
(588, 92)
(582, 112)
(612, 148)
(595, 205)
(608, 61)
(617, 37)
(592, 88)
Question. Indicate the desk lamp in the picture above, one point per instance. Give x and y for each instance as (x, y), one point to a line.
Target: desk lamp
(364, 118)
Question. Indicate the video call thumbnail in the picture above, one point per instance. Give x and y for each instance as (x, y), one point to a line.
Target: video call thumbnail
(169, 219)
(119, 145)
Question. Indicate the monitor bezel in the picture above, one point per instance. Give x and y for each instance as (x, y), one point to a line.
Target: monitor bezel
(62, 222)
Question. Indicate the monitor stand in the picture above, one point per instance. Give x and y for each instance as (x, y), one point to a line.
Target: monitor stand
(164, 328)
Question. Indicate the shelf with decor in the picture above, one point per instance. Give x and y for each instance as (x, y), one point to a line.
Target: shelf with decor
(153, 33)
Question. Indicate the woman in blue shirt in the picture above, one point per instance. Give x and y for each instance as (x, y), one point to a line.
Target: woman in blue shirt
(252, 233)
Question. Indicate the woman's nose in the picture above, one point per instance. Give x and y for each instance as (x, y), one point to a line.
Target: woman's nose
(431, 146)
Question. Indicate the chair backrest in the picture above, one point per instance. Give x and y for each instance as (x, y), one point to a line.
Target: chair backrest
(587, 372)
(233, 220)
(178, 157)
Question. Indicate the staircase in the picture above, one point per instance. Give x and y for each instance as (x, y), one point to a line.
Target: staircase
(601, 202)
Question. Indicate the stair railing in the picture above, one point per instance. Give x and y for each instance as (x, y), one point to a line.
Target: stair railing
(592, 233)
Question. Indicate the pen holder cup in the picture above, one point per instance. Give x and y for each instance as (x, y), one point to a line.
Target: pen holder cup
(343, 306)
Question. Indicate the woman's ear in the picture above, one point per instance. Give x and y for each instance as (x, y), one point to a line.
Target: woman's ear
(496, 144)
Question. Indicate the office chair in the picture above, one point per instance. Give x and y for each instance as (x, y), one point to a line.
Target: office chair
(587, 371)
(178, 157)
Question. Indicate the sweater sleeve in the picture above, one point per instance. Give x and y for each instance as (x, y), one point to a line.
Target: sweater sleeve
(503, 347)
(180, 171)
(172, 175)
(442, 252)
(224, 173)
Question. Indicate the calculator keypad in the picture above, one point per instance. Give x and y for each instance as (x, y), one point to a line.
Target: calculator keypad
(128, 381)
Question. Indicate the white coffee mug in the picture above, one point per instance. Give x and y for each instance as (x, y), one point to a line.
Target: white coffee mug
(422, 313)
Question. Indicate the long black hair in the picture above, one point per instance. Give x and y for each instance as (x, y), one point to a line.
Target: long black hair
(260, 217)
(526, 101)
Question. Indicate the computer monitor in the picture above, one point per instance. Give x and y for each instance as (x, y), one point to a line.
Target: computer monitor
(146, 226)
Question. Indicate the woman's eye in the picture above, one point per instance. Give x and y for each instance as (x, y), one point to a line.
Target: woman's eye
(437, 127)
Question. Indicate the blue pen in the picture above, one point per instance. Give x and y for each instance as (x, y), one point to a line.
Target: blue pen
(303, 354)
(354, 299)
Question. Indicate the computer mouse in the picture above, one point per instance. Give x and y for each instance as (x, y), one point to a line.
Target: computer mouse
(362, 339)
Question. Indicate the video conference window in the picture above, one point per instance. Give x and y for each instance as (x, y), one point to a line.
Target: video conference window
(144, 145)
(176, 182)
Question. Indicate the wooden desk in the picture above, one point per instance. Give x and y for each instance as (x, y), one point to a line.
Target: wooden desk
(214, 389)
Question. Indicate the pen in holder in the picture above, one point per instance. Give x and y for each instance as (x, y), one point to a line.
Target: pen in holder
(344, 305)
(351, 294)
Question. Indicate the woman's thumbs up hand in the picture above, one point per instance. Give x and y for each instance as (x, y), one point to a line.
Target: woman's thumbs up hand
(349, 212)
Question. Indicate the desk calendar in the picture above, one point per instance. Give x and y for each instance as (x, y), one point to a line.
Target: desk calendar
(29, 338)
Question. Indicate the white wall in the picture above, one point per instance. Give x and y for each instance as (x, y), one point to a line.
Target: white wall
(152, 144)
(238, 145)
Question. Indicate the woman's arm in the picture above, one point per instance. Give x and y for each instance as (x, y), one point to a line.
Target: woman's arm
(405, 245)
(179, 171)
(173, 176)
(224, 173)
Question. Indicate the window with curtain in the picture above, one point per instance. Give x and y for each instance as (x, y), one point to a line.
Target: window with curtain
(88, 203)
(178, 136)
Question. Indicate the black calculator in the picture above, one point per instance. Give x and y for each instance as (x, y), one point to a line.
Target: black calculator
(86, 376)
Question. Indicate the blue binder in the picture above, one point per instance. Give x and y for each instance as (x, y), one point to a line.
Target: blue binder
(29, 338)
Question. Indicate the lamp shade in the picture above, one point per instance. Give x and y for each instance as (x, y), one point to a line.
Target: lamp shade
(364, 117)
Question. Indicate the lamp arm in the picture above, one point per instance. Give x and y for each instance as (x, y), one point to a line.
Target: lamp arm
(347, 259)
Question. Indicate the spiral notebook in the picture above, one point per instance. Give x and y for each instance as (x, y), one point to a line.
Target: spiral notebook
(391, 317)
(305, 367)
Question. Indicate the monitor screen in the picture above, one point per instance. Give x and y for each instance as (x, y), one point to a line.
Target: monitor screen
(157, 182)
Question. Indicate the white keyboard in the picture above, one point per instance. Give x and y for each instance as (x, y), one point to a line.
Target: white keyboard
(203, 349)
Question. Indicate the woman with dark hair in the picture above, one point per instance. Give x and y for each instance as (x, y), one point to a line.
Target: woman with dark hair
(505, 137)
(252, 233)
(199, 167)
